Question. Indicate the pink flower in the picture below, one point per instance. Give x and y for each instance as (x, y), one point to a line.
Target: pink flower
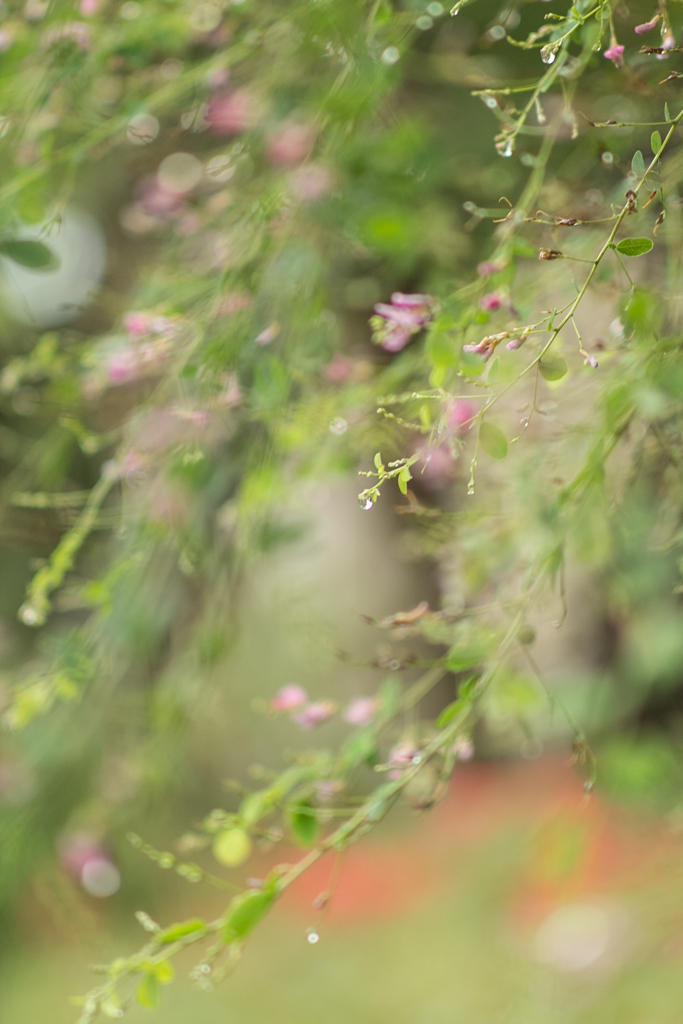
(290, 145)
(315, 714)
(668, 43)
(339, 370)
(122, 365)
(289, 698)
(89, 7)
(463, 748)
(491, 302)
(232, 392)
(461, 415)
(487, 346)
(411, 301)
(402, 756)
(136, 323)
(395, 324)
(270, 334)
(75, 849)
(311, 182)
(647, 26)
(488, 267)
(361, 711)
(234, 302)
(231, 114)
(615, 54)
(435, 468)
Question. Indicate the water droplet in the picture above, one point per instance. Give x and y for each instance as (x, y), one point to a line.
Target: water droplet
(205, 969)
(30, 616)
(391, 55)
(312, 937)
(367, 505)
(417, 759)
(491, 102)
(548, 54)
(338, 426)
(504, 147)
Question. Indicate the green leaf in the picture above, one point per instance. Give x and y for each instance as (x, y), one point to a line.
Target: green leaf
(304, 823)
(552, 367)
(404, 478)
(667, 115)
(634, 246)
(33, 255)
(656, 142)
(494, 367)
(492, 440)
(361, 746)
(245, 912)
(378, 463)
(638, 164)
(389, 698)
(179, 931)
(164, 972)
(450, 711)
(231, 847)
(147, 993)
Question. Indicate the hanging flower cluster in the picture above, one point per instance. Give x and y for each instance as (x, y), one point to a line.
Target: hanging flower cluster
(395, 324)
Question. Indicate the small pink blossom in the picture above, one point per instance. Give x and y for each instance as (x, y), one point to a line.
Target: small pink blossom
(289, 698)
(647, 26)
(136, 323)
(199, 417)
(416, 302)
(232, 392)
(668, 43)
(328, 789)
(616, 54)
(290, 145)
(492, 301)
(436, 465)
(463, 748)
(75, 849)
(314, 714)
(339, 370)
(234, 302)
(591, 360)
(461, 414)
(231, 114)
(122, 365)
(361, 711)
(402, 756)
(489, 267)
(311, 182)
(395, 324)
(270, 334)
(487, 346)
(89, 7)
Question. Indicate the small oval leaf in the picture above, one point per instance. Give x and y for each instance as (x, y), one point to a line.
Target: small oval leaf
(304, 823)
(634, 246)
(33, 255)
(245, 912)
(492, 440)
(147, 992)
(179, 931)
(638, 164)
(656, 142)
(552, 367)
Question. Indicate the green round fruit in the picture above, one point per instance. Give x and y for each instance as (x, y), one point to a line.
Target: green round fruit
(231, 847)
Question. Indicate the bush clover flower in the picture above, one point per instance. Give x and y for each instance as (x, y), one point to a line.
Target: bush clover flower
(395, 324)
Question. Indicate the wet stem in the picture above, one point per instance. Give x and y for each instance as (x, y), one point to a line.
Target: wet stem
(607, 246)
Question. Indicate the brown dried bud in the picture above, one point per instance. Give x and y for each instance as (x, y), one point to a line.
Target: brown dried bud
(549, 254)
(631, 205)
(566, 222)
